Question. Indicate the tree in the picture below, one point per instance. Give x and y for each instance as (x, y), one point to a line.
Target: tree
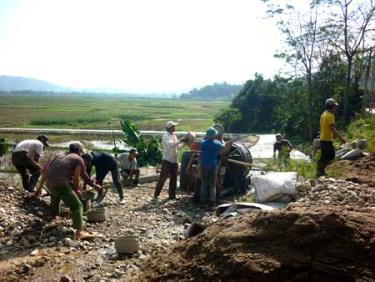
(228, 117)
(301, 33)
(350, 23)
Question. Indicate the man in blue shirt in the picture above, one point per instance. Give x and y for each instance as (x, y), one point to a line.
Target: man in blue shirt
(211, 149)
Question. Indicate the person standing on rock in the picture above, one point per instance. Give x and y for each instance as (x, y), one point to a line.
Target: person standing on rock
(169, 165)
(62, 180)
(211, 149)
(25, 158)
(103, 164)
(327, 133)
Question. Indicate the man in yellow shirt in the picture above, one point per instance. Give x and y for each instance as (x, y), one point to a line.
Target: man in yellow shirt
(327, 132)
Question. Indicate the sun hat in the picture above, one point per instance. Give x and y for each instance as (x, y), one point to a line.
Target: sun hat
(211, 132)
(169, 124)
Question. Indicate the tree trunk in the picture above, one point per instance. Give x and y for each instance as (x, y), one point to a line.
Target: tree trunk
(310, 105)
(366, 82)
(347, 90)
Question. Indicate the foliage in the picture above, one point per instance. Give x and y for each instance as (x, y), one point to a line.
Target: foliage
(3, 146)
(228, 117)
(149, 152)
(257, 103)
(363, 127)
(222, 91)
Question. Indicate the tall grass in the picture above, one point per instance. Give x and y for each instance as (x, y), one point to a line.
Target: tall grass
(363, 127)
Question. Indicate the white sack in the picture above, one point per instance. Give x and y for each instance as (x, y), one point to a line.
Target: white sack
(352, 154)
(273, 185)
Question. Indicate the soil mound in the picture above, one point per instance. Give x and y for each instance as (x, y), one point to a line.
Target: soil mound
(328, 234)
(360, 171)
(293, 245)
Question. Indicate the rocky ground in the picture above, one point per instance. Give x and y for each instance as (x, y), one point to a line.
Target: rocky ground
(328, 234)
(35, 249)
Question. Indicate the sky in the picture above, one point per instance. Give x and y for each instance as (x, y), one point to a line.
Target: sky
(138, 46)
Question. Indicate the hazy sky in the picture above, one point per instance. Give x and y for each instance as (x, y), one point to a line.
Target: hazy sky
(137, 45)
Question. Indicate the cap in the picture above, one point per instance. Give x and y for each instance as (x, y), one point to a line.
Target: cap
(77, 146)
(169, 124)
(43, 139)
(278, 135)
(331, 102)
(211, 132)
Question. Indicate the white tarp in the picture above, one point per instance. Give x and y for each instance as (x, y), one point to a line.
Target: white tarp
(274, 185)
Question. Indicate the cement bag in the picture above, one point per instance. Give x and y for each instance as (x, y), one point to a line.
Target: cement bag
(341, 152)
(353, 154)
(273, 185)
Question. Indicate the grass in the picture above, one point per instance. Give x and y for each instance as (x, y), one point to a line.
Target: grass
(104, 112)
(363, 127)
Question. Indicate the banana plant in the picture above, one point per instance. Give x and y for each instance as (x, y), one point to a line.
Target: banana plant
(149, 152)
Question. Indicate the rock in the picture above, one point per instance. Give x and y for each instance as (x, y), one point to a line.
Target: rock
(66, 278)
(34, 253)
(26, 268)
(69, 242)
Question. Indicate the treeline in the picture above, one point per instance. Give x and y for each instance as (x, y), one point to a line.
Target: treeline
(330, 56)
(217, 91)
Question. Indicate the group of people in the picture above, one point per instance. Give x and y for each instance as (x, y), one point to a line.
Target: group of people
(62, 173)
(323, 142)
(211, 147)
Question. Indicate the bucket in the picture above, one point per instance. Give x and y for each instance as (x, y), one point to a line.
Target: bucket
(96, 215)
(127, 244)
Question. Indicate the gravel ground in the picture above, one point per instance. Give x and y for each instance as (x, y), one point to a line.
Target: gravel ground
(33, 248)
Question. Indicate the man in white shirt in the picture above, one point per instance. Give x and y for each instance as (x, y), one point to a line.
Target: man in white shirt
(169, 166)
(25, 158)
(129, 166)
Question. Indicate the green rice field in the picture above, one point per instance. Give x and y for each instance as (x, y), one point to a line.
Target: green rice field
(104, 112)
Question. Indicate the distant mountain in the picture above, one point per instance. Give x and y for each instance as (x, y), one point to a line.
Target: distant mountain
(216, 91)
(17, 83)
(29, 86)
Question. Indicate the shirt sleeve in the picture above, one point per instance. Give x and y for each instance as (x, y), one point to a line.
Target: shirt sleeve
(330, 119)
(133, 164)
(169, 142)
(86, 178)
